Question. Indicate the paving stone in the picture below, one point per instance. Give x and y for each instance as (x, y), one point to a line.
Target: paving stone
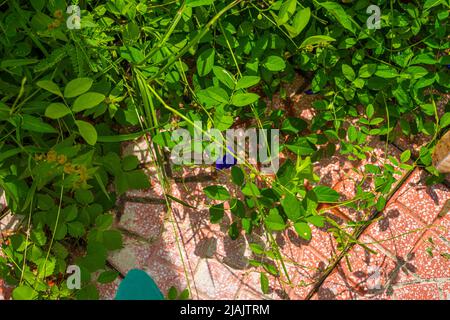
(166, 275)
(134, 254)
(424, 201)
(216, 280)
(143, 219)
(335, 287)
(427, 266)
(108, 291)
(138, 148)
(445, 291)
(396, 231)
(419, 291)
(5, 290)
(368, 273)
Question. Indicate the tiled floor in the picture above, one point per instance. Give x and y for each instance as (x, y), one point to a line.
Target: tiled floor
(406, 254)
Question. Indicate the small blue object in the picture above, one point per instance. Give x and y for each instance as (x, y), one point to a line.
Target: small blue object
(138, 285)
(309, 91)
(227, 161)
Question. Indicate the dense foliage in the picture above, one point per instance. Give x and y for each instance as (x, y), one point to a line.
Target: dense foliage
(69, 97)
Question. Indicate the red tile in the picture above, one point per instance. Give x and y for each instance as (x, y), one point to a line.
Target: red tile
(396, 231)
(335, 287)
(445, 290)
(368, 273)
(427, 266)
(143, 219)
(418, 291)
(424, 201)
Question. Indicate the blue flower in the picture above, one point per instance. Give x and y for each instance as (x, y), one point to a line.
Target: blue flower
(309, 91)
(227, 161)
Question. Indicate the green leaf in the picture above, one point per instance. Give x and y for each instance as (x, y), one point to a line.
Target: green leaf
(301, 19)
(250, 190)
(348, 72)
(36, 125)
(292, 207)
(385, 71)
(217, 192)
(198, 3)
(49, 86)
(107, 276)
(77, 86)
(87, 101)
(352, 134)
(88, 292)
(237, 176)
(104, 221)
(445, 120)
(367, 70)
(315, 40)
(274, 221)
(205, 62)
(24, 293)
(131, 54)
(317, 221)
(274, 63)
(339, 14)
(112, 239)
(216, 213)
(303, 230)
(46, 267)
(76, 229)
(130, 162)
(56, 110)
(264, 283)
(247, 82)
(243, 99)
(370, 111)
(286, 10)
(431, 3)
(87, 131)
(405, 156)
(326, 194)
(224, 76)
(172, 294)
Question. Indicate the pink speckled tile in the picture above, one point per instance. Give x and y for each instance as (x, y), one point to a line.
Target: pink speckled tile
(5, 290)
(335, 287)
(192, 171)
(445, 291)
(166, 275)
(134, 254)
(396, 231)
(368, 273)
(138, 148)
(417, 291)
(424, 201)
(143, 219)
(217, 281)
(107, 291)
(427, 266)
